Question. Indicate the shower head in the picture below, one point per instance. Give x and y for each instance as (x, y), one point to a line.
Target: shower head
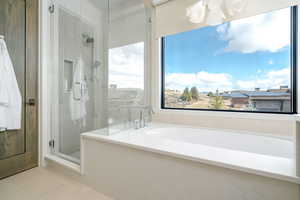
(97, 64)
(87, 39)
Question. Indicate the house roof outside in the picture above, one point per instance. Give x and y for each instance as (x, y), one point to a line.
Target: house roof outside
(250, 94)
(234, 96)
(267, 94)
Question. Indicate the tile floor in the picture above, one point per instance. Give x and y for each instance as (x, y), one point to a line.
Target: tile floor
(44, 184)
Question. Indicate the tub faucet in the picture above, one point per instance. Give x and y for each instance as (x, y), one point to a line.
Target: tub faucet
(141, 122)
(136, 124)
(142, 119)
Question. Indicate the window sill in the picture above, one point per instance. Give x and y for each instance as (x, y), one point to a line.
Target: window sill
(297, 117)
(243, 115)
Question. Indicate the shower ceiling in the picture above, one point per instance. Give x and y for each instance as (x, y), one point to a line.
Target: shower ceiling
(120, 8)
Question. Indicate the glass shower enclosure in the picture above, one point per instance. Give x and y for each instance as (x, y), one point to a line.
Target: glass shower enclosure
(98, 51)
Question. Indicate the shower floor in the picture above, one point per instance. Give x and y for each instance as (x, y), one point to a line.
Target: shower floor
(72, 157)
(75, 154)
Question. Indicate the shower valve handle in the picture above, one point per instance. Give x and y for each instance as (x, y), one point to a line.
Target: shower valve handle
(30, 102)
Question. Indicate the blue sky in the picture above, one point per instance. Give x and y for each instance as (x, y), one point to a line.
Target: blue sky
(247, 53)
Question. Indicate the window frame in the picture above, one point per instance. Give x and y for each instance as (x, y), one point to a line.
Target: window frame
(294, 71)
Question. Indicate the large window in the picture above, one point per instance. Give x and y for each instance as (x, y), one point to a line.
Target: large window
(126, 66)
(244, 65)
(126, 83)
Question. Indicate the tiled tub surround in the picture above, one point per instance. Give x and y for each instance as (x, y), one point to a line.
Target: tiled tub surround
(165, 161)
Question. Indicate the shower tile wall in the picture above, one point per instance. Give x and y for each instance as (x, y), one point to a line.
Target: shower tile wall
(73, 45)
(71, 26)
(107, 107)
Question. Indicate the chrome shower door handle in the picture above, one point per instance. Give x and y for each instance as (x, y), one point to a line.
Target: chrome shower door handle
(82, 90)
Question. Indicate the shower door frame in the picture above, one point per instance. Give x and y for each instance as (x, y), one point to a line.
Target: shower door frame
(55, 107)
(28, 159)
(55, 104)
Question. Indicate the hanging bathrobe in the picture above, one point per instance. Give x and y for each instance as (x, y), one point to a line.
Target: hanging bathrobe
(10, 96)
(79, 95)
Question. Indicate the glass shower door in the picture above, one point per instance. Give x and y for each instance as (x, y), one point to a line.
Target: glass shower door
(99, 69)
(70, 93)
(128, 66)
(77, 35)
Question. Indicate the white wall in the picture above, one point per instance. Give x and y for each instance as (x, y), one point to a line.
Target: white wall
(128, 29)
(282, 127)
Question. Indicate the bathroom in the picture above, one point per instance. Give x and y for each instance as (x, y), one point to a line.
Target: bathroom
(149, 99)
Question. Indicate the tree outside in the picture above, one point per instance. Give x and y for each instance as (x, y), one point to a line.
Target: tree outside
(195, 93)
(186, 95)
(210, 94)
(217, 102)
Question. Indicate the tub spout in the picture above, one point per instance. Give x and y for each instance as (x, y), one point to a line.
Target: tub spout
(142, 119)
(141, 122)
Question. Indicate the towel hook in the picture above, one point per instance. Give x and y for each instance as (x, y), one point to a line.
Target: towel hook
(2, 37)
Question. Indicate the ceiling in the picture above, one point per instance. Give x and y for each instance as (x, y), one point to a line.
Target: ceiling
(119, 8)
(116, 4)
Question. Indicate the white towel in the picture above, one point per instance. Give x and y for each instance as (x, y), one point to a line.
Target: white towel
(10, 95)
(79, 95)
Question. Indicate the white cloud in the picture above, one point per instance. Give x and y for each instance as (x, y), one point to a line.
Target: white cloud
(126, 66)
(206, 82)
(271, 80)
(266, 32)
(270, 62)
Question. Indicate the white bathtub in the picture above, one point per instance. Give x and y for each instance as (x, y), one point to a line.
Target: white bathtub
(132, 152)
(238, 141)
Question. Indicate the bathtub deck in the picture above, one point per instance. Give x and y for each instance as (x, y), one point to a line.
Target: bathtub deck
(258, 164)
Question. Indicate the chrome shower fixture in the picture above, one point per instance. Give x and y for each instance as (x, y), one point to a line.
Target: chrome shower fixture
(97, 64)
(88, 39)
